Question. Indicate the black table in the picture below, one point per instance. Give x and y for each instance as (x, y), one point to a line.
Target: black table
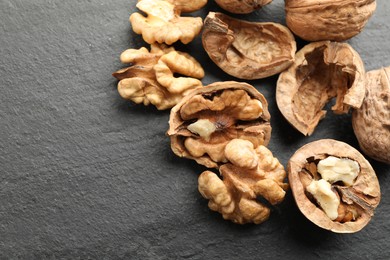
(86, 174)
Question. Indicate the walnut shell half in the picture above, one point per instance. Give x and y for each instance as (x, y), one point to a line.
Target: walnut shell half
(315, 20)
(321, 71)
(357, 201)
(371, 123)
(247, 50)
(240, 6)
(206, 119)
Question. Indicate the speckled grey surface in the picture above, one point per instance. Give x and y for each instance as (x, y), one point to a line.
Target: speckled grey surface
(87, 175)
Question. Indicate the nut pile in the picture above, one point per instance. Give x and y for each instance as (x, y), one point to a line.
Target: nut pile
(225, 126)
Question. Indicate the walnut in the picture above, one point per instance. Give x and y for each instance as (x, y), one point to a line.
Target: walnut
(242, 7)
(318, 20)
(186, 6)
(321, 71)
(150, 78)
(250, 173)
(247, 50)
(333, 185)
(208, 118)
(371, 123)
(164, 24)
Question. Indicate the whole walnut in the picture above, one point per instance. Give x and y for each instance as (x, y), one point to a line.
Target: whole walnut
(242, 6)
(371, 123)
(207, 118)
(334, 186)
(317, 20)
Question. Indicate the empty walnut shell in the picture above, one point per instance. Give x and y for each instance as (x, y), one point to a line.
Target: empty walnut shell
(321, 71)
(371, 123)
(247, 50)
(318, 20)
(207, 118)
(358, 200)
(242, 6)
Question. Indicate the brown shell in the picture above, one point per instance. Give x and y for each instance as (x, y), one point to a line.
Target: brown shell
(364, 195)
(259, 129)
(247, 50)
(321, 71)
(242, 6)
(334, 20)
(371, 123)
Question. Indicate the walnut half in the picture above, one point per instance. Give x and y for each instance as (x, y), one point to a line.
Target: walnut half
(251, 173)
(207, 118)
(321, 71)
(333, 185)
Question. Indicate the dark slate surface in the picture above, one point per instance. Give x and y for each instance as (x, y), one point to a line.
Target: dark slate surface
(85, 174)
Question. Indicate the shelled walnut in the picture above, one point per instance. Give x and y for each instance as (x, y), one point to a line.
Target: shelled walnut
(250, 173)
(371, 123)
(318, 20)
(164, 24)
(242, 6)
(205, 120)
(321, 71)
(334, 186)
(247, 50)
(150, 79)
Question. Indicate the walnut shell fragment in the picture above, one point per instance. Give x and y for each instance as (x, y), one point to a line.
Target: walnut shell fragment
(321, 71)
(247, 50)
(371, 123)
(207, 118)
(356, 201)
(315, 20)
(163, 23)
(150, 78)
(242, 6)
(250, 173)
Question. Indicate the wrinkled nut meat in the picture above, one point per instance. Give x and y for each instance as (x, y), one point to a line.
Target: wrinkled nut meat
(250, 173)
(318, 20)
(186, 6)
(208, 118)
(163, 23)
(150, 79)
(371, 123)
(242, 6)
(321, 71)
(247, 50)
(333, 185)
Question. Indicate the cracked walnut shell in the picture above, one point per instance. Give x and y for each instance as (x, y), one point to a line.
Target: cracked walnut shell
(242, 7)
(371, 123)
(150, 79)
(318, 20)
(247, 50)
(206, 119)
(346, 203)
(163, 23)
(321, 71)
(251, 173)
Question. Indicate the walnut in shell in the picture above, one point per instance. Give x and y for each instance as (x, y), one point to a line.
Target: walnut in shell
(242, 6)
(150, 78)
(206, 119)
(333, 185)
(371, 123)
(318, 20)
(321, 71)
(247, 50)
(250, 173)
(163, 23)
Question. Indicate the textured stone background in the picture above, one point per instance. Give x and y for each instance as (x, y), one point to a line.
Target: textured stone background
(85, 174)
